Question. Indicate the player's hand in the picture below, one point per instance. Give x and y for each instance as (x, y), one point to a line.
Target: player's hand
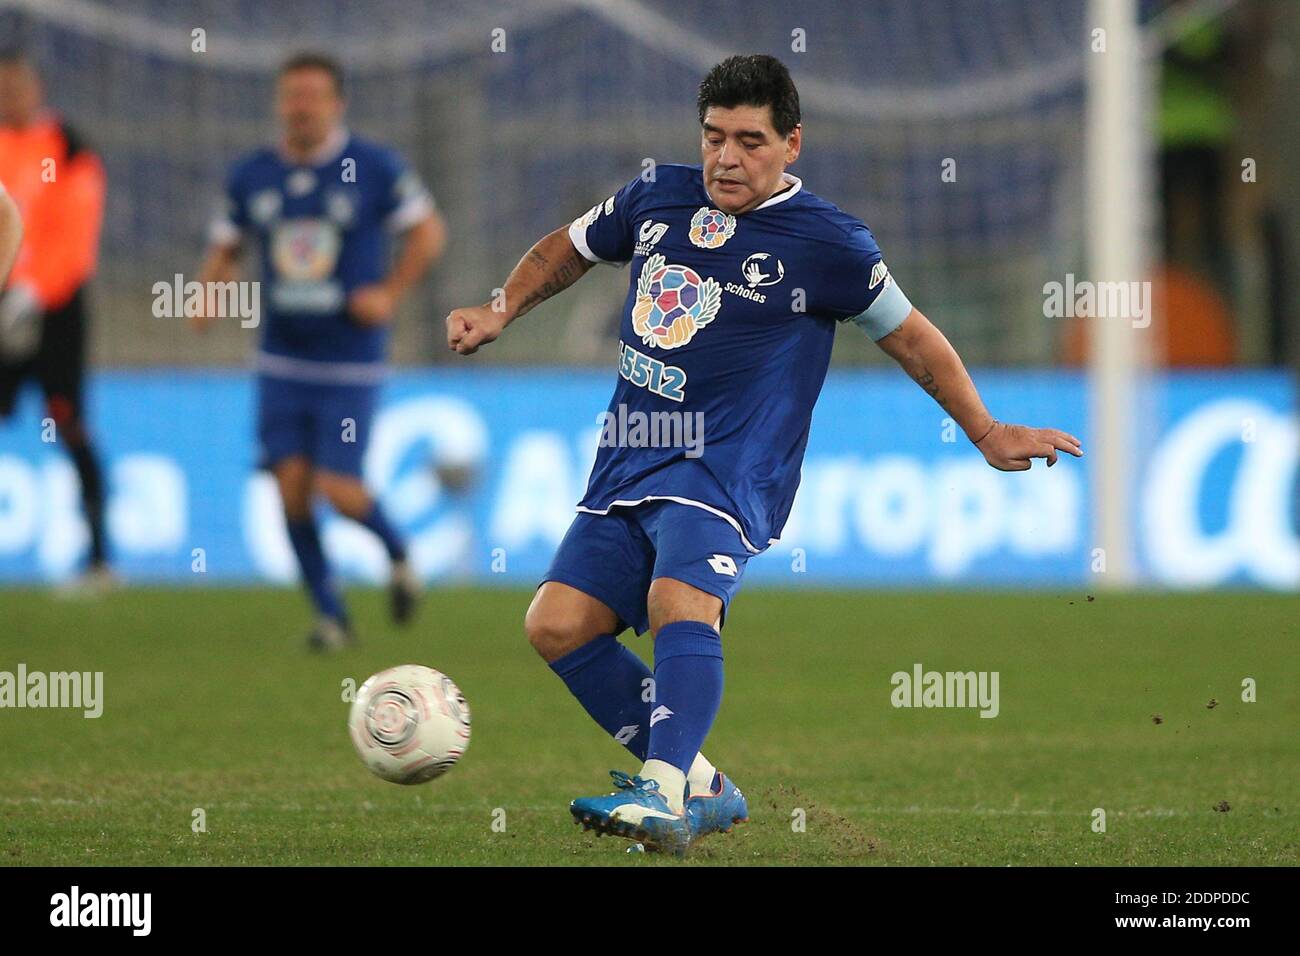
(20, 323)
(372, 304)
(1011, 447)
(467, 329)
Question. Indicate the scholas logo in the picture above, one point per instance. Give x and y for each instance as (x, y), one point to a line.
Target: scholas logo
(710, 228)
(672, 303)
(759, 269)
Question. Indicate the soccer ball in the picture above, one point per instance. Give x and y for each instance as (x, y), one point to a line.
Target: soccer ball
(409, 724)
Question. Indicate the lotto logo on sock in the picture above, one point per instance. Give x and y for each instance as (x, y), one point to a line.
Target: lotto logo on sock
(659, 713)
(626, 733)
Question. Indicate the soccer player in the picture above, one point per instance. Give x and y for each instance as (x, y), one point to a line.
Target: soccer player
(57, 183)
(322, 207)
(739, 278)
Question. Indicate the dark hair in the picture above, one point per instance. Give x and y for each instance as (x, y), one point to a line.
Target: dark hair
(307, 60)
(755, 80)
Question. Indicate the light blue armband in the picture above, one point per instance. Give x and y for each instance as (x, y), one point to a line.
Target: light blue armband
(886, 313)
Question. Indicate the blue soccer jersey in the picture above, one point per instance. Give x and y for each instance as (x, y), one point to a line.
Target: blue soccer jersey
(324, 229)
(728, 320)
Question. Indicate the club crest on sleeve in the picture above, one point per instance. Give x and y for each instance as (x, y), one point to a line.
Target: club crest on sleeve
(711, 228)
(672, 303)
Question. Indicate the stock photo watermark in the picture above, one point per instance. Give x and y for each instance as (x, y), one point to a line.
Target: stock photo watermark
(71, 690)
(129, 910)
(949, 689)
(179, 299)
(632, 428)
(1084, 298)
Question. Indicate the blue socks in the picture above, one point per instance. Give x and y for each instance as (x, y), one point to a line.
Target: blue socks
(305, 539)
(611, 683)
(377, 522)
(688, 691)
(614, 686)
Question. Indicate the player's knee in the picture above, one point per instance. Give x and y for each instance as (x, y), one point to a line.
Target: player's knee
(550, 633)
(293, 479)
(346, 495)
(296, 501)
(543, 630)
(671, 601)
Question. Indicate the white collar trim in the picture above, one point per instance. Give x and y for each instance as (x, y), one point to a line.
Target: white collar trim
(796, 184)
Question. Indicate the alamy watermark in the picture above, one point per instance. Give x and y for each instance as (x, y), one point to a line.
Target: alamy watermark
(624, 428)
(922, 688)
(74, 908)
(179, 299)
(83, 690)
(1081, 299)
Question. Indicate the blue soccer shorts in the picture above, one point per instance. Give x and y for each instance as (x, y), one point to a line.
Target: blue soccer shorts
(327, 424)
(614, 557)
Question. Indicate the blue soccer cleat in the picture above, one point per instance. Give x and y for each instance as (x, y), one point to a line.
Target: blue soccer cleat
(637, 811)
(717, 811)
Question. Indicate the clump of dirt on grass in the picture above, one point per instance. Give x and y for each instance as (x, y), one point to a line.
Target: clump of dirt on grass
(847, 839)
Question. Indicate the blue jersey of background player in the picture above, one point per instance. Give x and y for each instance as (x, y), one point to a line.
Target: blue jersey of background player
(322, 207)
(738, 278)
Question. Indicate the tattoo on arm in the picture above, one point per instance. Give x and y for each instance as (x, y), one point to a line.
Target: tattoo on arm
(926, 380)
(556, 280)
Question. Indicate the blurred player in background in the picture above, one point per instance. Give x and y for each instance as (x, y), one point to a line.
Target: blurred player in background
(739, 277)
(11, 234)
(322, 206)
(58, 186)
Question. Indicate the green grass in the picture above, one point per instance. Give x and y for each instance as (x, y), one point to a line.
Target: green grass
(211, 702)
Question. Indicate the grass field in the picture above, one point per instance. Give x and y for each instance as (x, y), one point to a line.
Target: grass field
(211, 702)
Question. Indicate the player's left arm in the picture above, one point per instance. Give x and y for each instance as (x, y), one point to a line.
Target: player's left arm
(929, 358)
(409, 210)
(11, 234)
(422, 246)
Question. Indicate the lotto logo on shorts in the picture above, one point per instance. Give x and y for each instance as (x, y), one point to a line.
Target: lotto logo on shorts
(723, 564)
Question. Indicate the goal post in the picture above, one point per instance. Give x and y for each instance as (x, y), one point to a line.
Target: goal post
(1115, 169)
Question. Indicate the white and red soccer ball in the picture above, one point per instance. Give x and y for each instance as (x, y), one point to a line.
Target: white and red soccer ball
(409, 724)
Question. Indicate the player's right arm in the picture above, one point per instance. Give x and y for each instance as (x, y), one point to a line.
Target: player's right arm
(550, 266)
(604, 234)
(11, 234)
(225, 243)
(220, 265)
